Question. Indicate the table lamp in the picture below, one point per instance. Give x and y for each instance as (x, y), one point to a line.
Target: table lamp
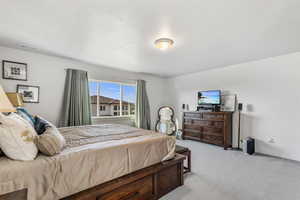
(15, 99)
(5, 104)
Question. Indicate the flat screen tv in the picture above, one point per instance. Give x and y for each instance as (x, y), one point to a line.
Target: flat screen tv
(211, 97)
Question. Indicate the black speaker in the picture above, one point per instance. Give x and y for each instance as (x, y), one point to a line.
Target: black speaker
(240, 106)
(249, 145)
(183, 106)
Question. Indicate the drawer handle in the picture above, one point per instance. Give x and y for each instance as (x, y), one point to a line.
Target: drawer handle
(130, 196)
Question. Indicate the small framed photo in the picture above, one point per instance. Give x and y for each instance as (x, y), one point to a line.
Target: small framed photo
(31, 94)
(14, 70)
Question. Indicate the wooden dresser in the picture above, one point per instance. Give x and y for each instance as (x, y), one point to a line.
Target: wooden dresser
(210, 127)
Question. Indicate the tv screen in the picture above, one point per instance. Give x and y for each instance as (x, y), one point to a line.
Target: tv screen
(212, 97)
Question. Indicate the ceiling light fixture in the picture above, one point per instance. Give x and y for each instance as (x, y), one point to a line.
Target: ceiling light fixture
(163, 43)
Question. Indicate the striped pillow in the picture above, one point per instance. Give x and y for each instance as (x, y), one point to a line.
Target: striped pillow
(51, 142)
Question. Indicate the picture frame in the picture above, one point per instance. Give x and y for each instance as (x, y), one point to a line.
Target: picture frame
(14, 70)
(30, 94)
(228, 103)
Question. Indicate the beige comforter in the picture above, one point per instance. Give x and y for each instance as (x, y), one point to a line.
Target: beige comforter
(94, 155)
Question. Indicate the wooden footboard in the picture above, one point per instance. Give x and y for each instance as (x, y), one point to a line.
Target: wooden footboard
(18, 195)
(146, 184)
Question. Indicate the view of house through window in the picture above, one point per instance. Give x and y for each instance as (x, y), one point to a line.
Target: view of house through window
(112, 99)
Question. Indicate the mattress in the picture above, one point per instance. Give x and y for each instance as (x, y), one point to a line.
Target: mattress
(94, 155)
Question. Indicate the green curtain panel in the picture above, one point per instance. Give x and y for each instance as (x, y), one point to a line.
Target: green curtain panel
(76, 109)
(142, 106)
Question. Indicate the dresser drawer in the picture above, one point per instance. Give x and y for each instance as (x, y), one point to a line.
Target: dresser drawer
(196, 134)
(213, 130)
(212, 139)
(193, 115)
(197, 122)
(192, 126)
(188, 121)
(218, 124)
(139, 190)
(202, 123)
(211, 116)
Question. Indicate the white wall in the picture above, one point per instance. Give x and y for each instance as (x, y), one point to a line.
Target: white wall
(270, 89)
(48, 72)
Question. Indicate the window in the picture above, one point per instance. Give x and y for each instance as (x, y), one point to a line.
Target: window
(116, 108)
(102, 108)
(112, 99)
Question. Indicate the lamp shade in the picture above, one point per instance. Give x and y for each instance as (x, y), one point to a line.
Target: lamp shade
(15, 99)
(5, 105)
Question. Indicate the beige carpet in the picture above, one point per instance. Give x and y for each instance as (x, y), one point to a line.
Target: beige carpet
(232, 175)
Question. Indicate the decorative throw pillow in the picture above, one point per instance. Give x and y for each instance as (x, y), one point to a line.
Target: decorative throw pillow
(25, 115)
(50, 142)
(17, 138)
(40, 125)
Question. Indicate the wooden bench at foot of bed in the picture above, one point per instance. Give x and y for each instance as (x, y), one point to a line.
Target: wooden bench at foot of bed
(146, 184)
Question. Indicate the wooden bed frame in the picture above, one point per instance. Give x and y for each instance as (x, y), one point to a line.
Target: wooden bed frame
(149, 183)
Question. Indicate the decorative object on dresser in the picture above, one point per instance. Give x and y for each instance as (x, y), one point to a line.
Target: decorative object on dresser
(31, 94)
(228, 102)
(187, 153)
(165, 123)
(210, 127)
(14, 70)
(185, 107)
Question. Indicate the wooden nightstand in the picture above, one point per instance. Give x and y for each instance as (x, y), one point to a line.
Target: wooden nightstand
(187, 153)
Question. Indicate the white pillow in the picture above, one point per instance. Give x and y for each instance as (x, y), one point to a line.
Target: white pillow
(17, 138)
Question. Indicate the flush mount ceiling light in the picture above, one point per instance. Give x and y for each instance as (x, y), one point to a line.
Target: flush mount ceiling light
(163, 43)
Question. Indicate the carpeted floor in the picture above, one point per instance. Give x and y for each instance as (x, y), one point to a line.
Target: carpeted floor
(232, 175)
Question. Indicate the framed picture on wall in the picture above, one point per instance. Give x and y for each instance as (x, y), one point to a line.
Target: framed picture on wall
(31, 94)
(14, 70)
(228, 103)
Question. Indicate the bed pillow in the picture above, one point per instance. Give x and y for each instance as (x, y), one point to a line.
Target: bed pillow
(25, 115)
(51, 141)
(40, 125)
(17, 138)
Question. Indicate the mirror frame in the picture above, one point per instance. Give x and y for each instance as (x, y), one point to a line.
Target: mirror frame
(172, 119)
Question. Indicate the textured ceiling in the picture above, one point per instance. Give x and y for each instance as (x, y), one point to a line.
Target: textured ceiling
(120, 33)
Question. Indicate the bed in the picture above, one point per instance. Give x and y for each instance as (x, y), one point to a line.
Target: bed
(105, 157)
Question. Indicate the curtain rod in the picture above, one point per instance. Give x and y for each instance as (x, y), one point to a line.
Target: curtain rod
(107, 80)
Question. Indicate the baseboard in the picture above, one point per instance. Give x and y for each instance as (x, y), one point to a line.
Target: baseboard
(278, 157)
